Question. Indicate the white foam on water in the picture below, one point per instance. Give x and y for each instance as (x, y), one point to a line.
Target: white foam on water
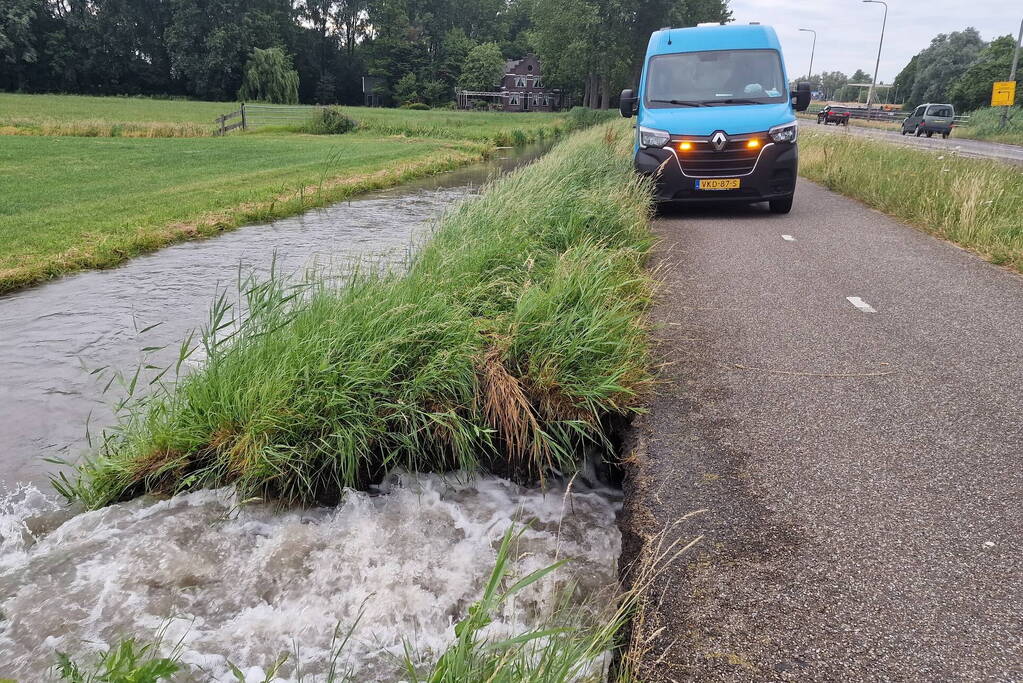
(246, 582)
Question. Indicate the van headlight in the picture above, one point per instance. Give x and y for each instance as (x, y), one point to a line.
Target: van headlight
(784, 133)
(651, 137)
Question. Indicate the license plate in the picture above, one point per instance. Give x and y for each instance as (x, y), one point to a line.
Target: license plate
(718, 184)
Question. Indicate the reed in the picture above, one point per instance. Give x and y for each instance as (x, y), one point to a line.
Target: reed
(515, 335)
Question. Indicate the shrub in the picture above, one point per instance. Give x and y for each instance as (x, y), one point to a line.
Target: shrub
(330, 121)
(581, 117)
(417, 106)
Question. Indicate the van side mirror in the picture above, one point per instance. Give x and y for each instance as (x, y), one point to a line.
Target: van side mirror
(801, 97)
(627, 103)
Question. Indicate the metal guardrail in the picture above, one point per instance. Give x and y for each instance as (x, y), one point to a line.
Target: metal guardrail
(886, 116)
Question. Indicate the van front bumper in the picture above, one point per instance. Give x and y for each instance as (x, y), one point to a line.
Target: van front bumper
(773, 177)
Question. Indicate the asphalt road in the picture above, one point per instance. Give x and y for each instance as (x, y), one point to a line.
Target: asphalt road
(1012, 154)
(861, 472)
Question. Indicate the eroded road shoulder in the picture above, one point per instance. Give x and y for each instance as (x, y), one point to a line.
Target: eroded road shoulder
(842, 396)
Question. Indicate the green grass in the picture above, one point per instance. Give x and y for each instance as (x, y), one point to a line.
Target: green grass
(91, 181)
(141, 117)
(975, 203)
(513, 337)
(983, 125)
(72, 202)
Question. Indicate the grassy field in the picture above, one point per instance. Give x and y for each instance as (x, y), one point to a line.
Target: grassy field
(975, 203)
(513, 337)
(72, 203)
(984, 126)
(90, 200)
(141, 117)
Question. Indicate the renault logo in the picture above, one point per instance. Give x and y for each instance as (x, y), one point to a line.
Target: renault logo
(718, 140)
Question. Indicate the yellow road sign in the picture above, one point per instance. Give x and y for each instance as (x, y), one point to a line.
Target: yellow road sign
(1003, 94)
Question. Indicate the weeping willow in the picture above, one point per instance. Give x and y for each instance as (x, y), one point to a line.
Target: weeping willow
(269, 77)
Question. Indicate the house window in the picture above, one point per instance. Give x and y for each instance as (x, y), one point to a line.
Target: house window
(513, 100)
(536, 82)
(520, 82)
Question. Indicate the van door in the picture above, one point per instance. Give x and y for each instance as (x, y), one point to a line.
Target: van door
(915, 118)
(939, 115)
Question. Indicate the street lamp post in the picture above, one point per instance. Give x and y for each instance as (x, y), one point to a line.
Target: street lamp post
(813, 47)
(1012, 74)
(877, 65)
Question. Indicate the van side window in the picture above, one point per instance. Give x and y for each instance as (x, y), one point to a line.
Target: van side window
(919, 111)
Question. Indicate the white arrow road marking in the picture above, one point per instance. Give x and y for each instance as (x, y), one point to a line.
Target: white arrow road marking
(860, 304)
(788, 238)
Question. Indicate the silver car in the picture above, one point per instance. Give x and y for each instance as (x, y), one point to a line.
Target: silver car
(928, 119)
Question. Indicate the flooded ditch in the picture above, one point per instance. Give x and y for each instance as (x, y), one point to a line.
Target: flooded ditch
(233, 581)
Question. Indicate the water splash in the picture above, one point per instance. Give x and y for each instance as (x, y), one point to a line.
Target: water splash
(243, 582)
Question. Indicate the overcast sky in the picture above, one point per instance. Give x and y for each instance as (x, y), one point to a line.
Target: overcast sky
(848, 30)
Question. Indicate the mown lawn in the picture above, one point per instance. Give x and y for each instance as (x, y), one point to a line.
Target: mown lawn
(119, 116)
(88, 182)
(72, 202)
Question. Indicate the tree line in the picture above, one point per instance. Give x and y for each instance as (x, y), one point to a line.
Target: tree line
(317, 50)
(957, 67)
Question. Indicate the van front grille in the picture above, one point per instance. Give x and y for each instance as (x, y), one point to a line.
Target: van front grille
(701, 160)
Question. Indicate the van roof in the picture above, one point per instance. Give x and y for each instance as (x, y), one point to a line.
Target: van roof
(701, 38)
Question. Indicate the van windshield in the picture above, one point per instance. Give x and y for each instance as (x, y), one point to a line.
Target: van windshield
(713, 78)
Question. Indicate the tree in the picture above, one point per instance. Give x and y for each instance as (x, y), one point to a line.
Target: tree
(406, 90)
(482, 69)
(832, 82)
(269, 77)
(209, 44)
(942, 63)
(16, 39)
(904, 81)
(972, 90)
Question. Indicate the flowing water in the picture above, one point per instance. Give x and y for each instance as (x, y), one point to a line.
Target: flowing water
(53, 336)
(243, 584)
(233, 581)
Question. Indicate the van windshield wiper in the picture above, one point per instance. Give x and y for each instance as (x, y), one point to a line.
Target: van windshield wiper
(683, 103)
(732, 101)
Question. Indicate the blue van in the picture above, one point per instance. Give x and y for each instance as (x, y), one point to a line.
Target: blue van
(715, 117)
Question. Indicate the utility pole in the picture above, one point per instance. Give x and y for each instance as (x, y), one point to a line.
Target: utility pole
(1012, 75)
(877, 64)
(813, 46)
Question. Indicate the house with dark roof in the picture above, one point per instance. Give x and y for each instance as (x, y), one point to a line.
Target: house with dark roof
(521, 89)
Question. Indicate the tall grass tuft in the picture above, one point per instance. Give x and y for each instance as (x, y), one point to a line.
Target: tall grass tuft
(975, 203)
(984, 124)
(515, 334)
(98, 128)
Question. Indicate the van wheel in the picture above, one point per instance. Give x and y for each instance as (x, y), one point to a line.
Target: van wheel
(944, 136)
(930, 133)
(903, 130)
(783, 205)
(919, 131)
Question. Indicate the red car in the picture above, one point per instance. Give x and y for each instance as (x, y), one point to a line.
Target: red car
(835, 115)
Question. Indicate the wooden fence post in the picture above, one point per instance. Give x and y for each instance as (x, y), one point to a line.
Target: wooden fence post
(245, 125)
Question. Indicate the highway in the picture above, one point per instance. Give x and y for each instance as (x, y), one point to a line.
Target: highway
(841, 395)
(1012, 154)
